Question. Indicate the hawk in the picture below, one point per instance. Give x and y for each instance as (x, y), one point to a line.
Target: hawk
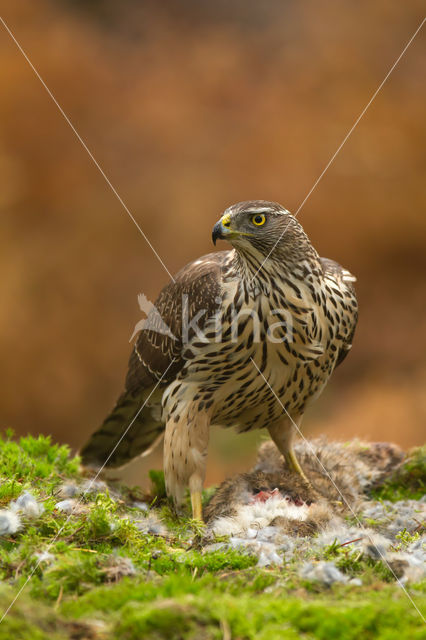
(254, 335)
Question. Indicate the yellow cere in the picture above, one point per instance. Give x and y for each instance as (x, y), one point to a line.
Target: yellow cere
(226, 220)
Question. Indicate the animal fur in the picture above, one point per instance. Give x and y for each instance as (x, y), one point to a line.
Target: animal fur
(274, 496)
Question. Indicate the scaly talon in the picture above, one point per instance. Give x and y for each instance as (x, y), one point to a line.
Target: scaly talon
(293, 464)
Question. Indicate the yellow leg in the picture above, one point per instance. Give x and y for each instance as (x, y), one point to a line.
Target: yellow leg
(197, 508)
(293, 463)
(282, 434)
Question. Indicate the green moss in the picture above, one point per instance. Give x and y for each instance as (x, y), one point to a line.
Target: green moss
(406, 538)
(33, 463)
(176, 607)
(408, 482)
(173, 605)
(188, 610)
(356, 564)
(31, 620)
(178, 590)
(158, 484)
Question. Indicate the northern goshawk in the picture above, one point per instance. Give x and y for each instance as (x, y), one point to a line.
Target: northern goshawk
(252, 336)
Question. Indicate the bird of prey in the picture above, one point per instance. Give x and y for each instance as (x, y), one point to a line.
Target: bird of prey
(254, 335)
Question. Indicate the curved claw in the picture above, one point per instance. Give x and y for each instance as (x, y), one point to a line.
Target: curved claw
(293, 464)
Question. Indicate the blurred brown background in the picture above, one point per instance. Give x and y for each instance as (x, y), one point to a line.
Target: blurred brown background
(190, 106)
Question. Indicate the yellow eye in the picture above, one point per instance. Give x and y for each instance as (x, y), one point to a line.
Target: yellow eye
(258, 219)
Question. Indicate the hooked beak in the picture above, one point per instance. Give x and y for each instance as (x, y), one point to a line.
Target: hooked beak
(221, 229)
(217, 232)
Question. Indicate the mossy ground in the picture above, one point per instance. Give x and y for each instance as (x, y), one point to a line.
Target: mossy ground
(172, 588)
(408, 481)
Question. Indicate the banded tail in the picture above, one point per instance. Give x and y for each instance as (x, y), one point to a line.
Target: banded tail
(127, 432)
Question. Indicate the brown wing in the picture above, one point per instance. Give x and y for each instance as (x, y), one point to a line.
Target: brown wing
(344, 281)
(195, 291)
(135, 422)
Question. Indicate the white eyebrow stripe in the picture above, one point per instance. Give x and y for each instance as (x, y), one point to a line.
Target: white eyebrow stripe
(262, 210)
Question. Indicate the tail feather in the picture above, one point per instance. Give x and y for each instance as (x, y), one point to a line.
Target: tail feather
(131, 429)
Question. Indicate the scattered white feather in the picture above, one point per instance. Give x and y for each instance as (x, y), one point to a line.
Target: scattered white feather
(258, 515)
(118, 567)
(374, 545)
(151, 524)
(395, 516)
(340, 533)
(45, 557)
(66, 506)
(10, 522)
(266, 552)
(68, 490)
(143, 506)
(95, 487)
(413, 574)
(324, 572)
(269, 558)
(417, 549)
(27, 505)
(251, 531)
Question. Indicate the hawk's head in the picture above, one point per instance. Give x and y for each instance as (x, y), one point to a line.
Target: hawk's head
(264, 225)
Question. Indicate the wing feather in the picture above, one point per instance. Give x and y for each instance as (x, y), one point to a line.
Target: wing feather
(196, 288)
(134, 425)
(344, 281)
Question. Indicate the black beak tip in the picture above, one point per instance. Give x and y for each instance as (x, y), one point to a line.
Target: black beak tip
(217, 232)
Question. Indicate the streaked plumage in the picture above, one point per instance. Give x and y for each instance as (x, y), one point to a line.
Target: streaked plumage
(222, 381)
